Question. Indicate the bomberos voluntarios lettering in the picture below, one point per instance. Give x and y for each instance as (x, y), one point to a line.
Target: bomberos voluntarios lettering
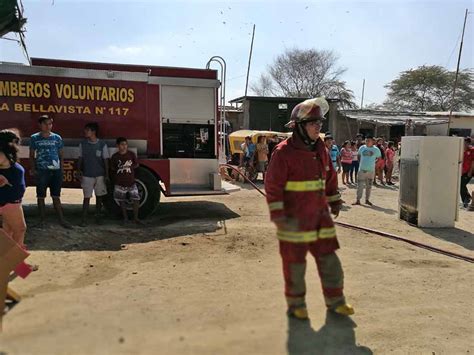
(30, 89)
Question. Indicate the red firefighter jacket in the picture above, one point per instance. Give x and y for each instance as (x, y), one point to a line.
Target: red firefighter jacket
(300, 184)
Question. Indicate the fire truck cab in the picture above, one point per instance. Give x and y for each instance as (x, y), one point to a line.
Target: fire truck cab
(169, 116)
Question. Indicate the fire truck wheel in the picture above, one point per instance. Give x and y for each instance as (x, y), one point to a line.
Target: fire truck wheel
(149, 189)
(150, 193)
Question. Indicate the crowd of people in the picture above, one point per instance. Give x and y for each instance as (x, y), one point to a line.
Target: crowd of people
(346, 158)
(95, 169)
(254, 158)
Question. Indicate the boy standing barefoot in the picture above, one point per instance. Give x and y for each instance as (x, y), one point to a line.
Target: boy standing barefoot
(123, 165)
(93, 170)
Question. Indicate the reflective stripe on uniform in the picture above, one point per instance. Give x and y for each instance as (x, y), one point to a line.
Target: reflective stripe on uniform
(333, 198)
(306, 236)
(297, 237)
(274, 206)
(308, 185)
(325, 233)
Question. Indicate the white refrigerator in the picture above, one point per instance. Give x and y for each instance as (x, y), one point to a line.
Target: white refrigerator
(430, 172)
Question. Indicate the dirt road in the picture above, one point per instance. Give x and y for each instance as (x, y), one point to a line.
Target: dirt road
(204, 277)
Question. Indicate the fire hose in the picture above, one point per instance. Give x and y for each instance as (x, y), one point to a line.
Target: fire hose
(373, 231)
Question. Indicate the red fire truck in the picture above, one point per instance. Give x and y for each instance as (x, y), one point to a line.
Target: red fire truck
(169, 116)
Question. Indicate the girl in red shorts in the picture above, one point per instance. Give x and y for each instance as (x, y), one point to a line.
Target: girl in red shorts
(380, 163)
(389, 160)
(346, 160)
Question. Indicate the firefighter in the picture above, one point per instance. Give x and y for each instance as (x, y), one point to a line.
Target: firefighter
(301, 187)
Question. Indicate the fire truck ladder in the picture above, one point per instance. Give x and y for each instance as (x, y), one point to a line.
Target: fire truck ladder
(223, 127)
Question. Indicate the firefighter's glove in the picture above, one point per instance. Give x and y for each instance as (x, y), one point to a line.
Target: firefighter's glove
(335, 209)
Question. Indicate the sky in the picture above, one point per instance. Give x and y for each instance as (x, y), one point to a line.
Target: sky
(374, 40)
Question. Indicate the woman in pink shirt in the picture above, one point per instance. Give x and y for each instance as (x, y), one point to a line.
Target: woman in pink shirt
(389, 160)
(346, 160)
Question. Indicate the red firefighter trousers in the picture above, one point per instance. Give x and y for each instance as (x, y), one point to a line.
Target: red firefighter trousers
(294, 269)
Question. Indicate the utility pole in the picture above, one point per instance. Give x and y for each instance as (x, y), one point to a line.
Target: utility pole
(362, 99)
(250, 59)
(457, 74)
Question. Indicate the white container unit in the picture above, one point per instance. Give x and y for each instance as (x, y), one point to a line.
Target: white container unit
(430, 171)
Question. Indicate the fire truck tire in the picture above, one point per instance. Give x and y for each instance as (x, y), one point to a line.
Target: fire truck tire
(150, 193)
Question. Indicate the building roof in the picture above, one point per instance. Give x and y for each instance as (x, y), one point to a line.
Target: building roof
(392, 118)
(280, 99)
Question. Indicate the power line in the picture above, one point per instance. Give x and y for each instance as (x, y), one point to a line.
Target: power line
(10, 39)
(23, 46)
(21, 35)
(237, 77)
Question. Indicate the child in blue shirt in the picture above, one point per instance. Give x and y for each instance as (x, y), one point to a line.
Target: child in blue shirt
(46, 164)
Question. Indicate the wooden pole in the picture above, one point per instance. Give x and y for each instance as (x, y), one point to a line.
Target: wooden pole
(457, 74)
(250, 59)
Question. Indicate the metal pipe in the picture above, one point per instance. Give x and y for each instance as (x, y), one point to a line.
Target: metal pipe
(223, 65)
(362, 99)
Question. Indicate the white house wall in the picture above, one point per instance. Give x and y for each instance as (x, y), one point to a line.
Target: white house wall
(457, 122)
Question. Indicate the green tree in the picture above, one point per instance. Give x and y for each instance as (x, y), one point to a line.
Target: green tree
(305, 73)
(429, 88)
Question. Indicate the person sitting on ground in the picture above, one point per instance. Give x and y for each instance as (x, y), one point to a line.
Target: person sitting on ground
(226, 172)
(123, 164)
(368, 153)
(355, 162)
(12, 187)
(346, 160)
(262, 155)
(389, 161)
(46, 164)
(93, 169)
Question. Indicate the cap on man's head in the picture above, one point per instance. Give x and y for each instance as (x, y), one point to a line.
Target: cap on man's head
(327, 137)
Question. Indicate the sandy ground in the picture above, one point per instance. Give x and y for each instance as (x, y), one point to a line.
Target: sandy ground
(204, 277)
